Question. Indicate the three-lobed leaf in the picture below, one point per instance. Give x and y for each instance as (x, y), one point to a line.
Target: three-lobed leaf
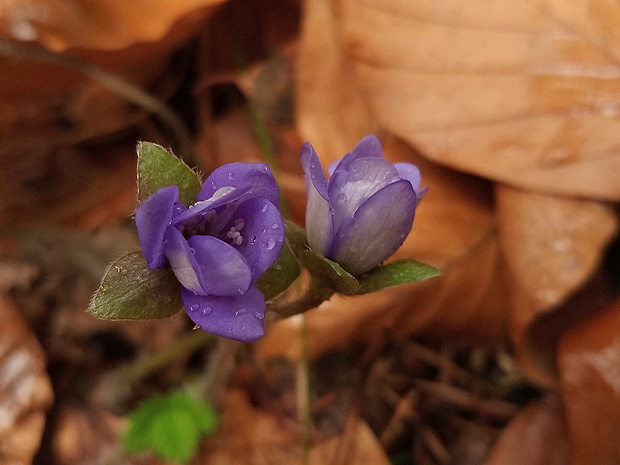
(130, 291)
(157, 168)
(171, 425)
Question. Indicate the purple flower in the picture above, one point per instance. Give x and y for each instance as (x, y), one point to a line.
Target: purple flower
(364, 212)
(219, 246)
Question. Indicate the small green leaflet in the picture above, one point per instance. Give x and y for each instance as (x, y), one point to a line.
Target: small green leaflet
(170, 425)
(159, 168)
(395, 273)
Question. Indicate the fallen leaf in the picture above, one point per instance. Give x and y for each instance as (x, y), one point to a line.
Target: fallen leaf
(95, 24)
(536, 436)
(25, 388)
(552, 245)
(330, 110)
(521, 92)
(248, 435)
(589, 364)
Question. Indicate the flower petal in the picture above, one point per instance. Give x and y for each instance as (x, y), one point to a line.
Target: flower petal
(256, 177)
(240, 318)
(409, 172)
(262, 234)
(153, 216)
(225, 271)
(183, 262)
(223, 197)
(356, 182)
(379, 227)
(318, 215)
(368, 147)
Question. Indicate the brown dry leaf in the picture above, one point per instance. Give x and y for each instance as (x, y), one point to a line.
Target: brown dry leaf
(330, 111)
(552, 246)
(45, 103)
(25, 388)
(248, 435)
(454, 230)
(536, 436)
(522, 92)
(94, 24)
(589, 363)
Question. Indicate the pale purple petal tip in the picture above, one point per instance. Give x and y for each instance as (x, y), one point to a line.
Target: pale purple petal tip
(240, 318)
(183, 262)
(257, 177)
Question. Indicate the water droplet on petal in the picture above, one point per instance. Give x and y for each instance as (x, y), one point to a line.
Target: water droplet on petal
(263, 208)
(192, 308)
(231, 176)
(280, 238)
(240, 291)
(264, 230)
(341, 198)
(270, 244)
(259, 316)
(274, 226)
(253, 240)
(241, 311)
(206, 310)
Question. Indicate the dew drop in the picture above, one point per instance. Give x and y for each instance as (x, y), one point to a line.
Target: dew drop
(259, 316)
(270, 244)
(263, 208)
(274, 226)
(241, 311)
(264, 230)
(253, 240)
(231, 176)
(206, 310)
(192, 308)
(341, 198)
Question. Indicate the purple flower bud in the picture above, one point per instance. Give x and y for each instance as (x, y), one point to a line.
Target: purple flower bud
(218, 247)
(365, 211)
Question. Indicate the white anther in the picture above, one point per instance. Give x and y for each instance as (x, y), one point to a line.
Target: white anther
(239, 224)
(238, 240)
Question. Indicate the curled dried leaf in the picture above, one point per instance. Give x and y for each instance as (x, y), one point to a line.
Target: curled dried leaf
(25, 388)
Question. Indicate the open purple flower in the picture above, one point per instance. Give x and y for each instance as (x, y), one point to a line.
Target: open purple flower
(364, 212)
(218, 247)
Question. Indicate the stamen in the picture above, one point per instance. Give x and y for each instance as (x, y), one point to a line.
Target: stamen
(239, 224)
(238, 240)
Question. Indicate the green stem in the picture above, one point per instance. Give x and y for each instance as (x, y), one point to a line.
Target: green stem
(303, 394)
(151, 363)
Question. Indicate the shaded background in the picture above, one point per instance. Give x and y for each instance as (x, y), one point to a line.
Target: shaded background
(511, 109)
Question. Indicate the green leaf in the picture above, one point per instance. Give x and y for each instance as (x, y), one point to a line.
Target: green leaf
(170, 425)
(330, 273)
(131, 291)
(159, 168)
(280, 275)
(394, 274)
(296, 238)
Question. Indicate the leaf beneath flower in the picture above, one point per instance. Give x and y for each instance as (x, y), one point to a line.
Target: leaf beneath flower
(330, 272)
(280, 275)
(159, 168)
(131, 291)
(396, 273)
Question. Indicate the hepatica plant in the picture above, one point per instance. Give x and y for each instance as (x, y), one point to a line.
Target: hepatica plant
(221, 250)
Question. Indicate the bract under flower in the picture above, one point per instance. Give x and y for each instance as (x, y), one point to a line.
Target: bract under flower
(364, 212)
(218, 247)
